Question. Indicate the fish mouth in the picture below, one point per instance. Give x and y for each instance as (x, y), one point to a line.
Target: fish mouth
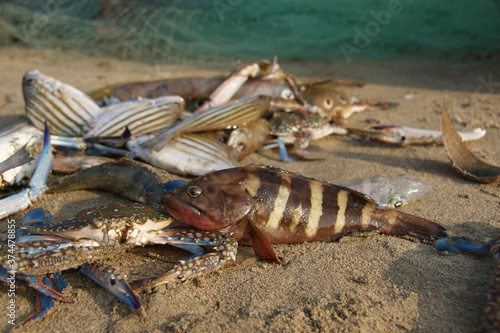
(181, 210)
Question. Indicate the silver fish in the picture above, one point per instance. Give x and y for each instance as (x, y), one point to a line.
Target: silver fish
(188, 154)
(66, 109)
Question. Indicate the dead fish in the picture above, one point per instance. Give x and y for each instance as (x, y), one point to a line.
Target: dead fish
(462, 159)
(126, 178)
(189, 88)
(187, 154)
(74, 163)
(66, 109)
(230, 115)
(139, 116)
(262, 205)
(248, 138)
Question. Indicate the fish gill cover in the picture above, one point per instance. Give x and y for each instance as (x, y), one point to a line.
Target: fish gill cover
(217, 30)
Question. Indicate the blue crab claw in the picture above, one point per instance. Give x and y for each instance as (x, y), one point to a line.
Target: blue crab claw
(37, 185)
(115, 284)
(458, 244)
(36, 218)
(44, 302)
(43, 286)
(283, 152)
(201, 262)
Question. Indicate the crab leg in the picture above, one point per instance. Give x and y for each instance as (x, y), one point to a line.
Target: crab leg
(230, 86)
(222, 254)
(115, 284)
(44, 302)
(37, 185)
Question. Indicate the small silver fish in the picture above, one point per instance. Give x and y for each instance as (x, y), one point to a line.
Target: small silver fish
(389, 191)
(188, 154)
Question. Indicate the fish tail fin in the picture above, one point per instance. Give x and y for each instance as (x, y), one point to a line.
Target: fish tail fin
(410, 226)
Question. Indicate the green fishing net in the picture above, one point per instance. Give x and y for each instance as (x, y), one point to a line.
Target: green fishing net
(219, 30)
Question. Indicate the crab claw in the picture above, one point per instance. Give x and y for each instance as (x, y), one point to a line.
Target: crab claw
(224, 253)
(118, 286)
(457, 244)
(37, 185)
(44, 302)
(283, 152)
(43, 286)
(36, 218)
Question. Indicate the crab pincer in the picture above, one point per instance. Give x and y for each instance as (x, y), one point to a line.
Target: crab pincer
(37, 184)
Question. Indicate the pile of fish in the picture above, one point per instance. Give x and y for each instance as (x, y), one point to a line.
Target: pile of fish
(96, 137)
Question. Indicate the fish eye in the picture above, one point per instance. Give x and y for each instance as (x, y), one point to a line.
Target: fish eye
(241, 146)
(328, 103)
(287, 94)
(194, 191)
(29, 81)
(397, 200)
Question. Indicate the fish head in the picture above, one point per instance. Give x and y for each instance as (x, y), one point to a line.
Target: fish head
(215, 201)
(399, 190)
(36, 82)
(66, 109)
(328, 99)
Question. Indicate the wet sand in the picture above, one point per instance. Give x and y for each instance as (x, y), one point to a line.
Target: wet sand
(369, 283)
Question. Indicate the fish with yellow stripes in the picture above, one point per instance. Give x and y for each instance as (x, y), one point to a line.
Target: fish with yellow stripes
(263, 205)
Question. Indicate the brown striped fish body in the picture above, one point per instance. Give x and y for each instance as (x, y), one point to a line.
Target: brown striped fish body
(264, 205)
(66, 109)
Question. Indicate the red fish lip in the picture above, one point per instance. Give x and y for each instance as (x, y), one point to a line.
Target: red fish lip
(180, 209)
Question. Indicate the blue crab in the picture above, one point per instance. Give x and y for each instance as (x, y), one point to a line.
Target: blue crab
(88, 239)
(455, 244)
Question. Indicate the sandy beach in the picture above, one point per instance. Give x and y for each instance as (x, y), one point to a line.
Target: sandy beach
(368, 283)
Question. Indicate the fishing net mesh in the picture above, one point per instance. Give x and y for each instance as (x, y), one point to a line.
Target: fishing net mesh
(179, 31)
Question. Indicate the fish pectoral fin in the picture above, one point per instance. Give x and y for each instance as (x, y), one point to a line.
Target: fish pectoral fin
(260, 243)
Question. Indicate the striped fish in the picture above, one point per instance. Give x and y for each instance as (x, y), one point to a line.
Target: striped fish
(66, 109)
(227, 116)
(140, 116)
(188, 154)
(264, 205)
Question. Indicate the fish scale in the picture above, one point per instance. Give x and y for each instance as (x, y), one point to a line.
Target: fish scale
(263, 205)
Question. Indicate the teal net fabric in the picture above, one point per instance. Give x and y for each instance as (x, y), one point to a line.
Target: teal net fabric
(221, 30)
